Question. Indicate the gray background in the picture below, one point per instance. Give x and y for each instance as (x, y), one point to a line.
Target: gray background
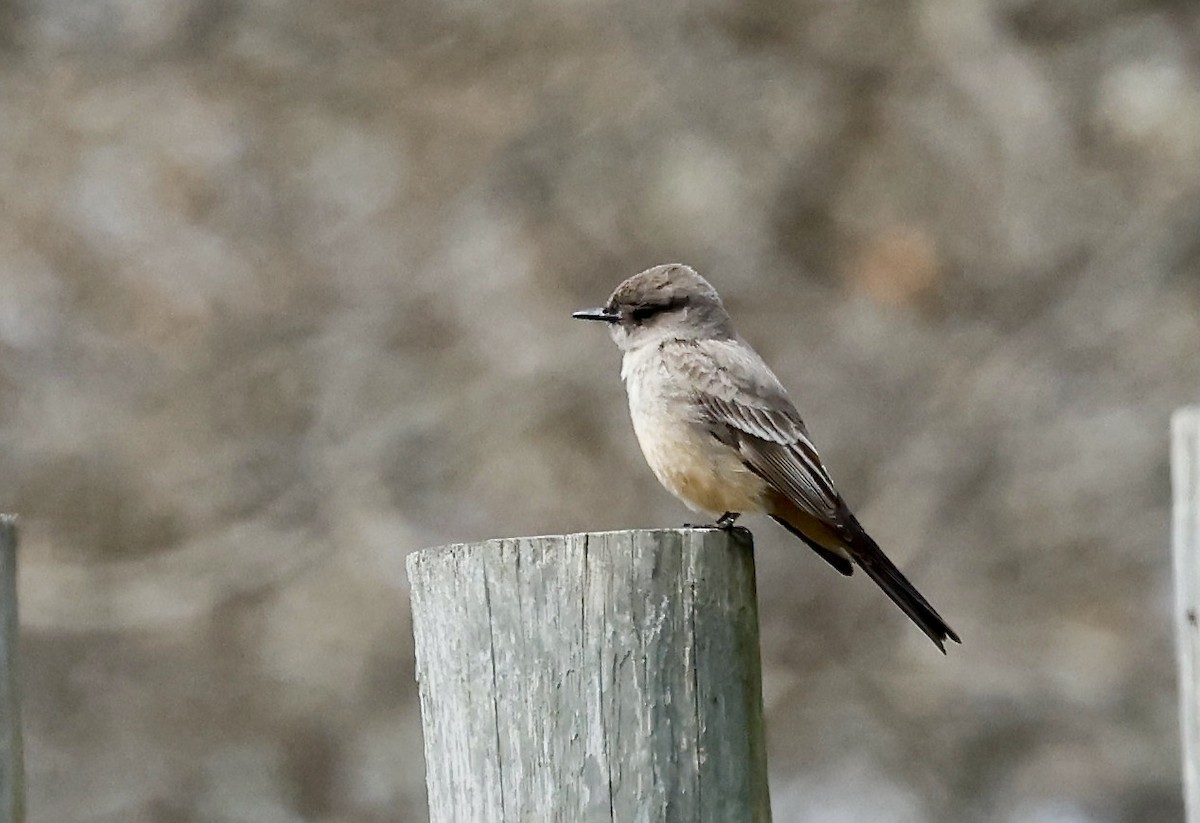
(285, 293)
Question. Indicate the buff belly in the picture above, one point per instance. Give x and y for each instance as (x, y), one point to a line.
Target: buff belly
(707, 475)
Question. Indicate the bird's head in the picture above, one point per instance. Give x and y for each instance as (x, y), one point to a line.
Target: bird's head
(666, 302)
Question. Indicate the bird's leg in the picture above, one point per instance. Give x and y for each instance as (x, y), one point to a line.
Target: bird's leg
(725, 521)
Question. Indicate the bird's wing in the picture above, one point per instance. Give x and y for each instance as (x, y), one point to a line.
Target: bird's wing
(744, 405)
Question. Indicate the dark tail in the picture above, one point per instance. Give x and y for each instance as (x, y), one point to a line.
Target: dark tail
(875, 563)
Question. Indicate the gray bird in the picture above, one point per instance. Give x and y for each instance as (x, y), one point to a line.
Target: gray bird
(720, 433)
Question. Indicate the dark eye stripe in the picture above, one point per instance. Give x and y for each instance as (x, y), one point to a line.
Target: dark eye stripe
(645, 311)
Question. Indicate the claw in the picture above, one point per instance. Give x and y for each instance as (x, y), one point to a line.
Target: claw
(726, 520)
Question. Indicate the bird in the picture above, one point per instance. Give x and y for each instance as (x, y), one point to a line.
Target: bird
(720, 432)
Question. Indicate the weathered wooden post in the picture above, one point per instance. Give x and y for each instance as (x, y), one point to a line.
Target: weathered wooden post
(12, 764)
(591, 678)
(1185, 483)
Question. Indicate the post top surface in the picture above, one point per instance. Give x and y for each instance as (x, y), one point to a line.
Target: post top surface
(740, 533)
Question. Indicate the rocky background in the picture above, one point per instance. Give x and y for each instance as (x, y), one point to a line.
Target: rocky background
(285, 292)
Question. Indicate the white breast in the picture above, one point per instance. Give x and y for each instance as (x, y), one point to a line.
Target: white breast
(707, 475)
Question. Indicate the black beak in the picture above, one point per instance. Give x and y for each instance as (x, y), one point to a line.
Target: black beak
(597, 314)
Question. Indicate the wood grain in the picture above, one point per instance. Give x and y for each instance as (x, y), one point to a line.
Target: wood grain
(12, 770)
(1185, 484)
(611, 677)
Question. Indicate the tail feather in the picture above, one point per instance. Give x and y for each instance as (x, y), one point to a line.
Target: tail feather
(838, 561)
(875, 563)
(847, 542)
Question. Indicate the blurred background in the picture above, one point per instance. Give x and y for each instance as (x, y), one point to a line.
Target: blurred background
(286, 293)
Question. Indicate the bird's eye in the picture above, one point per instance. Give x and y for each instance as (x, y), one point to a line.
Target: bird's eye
(645, 312)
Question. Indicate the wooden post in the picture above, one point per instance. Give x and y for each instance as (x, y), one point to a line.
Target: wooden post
(1185, 483)
(12, 764)
(591, 678)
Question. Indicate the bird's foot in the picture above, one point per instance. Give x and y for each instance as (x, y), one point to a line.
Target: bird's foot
(726, 520)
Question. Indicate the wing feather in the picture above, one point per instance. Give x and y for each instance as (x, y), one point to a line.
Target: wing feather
(779, 451)
(744, 405)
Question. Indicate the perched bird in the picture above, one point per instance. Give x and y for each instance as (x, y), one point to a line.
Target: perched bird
(719, 431)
